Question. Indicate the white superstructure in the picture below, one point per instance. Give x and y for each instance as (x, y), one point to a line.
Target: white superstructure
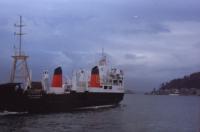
(100, 79)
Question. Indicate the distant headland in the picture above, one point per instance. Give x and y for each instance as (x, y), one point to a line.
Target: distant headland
(188, 85)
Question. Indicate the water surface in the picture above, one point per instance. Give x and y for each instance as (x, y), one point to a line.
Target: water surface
(137, 113)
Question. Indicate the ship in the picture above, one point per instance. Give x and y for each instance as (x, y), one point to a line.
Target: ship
(100, 86)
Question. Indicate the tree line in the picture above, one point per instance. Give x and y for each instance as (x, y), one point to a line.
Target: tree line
(191, 81)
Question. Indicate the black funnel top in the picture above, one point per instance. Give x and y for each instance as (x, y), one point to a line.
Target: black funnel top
(58, 71)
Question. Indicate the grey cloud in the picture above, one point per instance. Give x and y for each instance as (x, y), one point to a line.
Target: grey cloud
(158, 39)
(133, 56)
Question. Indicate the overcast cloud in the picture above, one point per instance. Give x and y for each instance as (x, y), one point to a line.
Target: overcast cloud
(152, 41)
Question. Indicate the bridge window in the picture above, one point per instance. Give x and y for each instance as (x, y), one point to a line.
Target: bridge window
(115, 82)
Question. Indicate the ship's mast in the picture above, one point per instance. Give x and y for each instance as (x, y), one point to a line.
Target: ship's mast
(102, 52)
(19, 70)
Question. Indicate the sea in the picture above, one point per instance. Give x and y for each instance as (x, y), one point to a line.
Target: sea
(136, 113)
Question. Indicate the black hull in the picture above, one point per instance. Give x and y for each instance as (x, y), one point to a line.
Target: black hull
(12, 99)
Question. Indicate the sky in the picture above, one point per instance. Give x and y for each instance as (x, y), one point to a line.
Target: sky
(152, 41)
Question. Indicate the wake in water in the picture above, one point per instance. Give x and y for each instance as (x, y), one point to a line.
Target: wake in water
(3, 113)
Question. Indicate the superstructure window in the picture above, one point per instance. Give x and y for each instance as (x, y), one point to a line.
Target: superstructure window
(115, 82)
(120, 82)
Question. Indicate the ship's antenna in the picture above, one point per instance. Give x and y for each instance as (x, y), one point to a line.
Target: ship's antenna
(102, 52)
(20, 68)
(103, 59)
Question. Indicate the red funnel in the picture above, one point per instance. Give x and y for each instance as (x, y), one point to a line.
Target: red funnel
(57, 78)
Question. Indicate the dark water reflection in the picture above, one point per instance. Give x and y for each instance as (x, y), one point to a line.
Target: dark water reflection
(137, 113)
